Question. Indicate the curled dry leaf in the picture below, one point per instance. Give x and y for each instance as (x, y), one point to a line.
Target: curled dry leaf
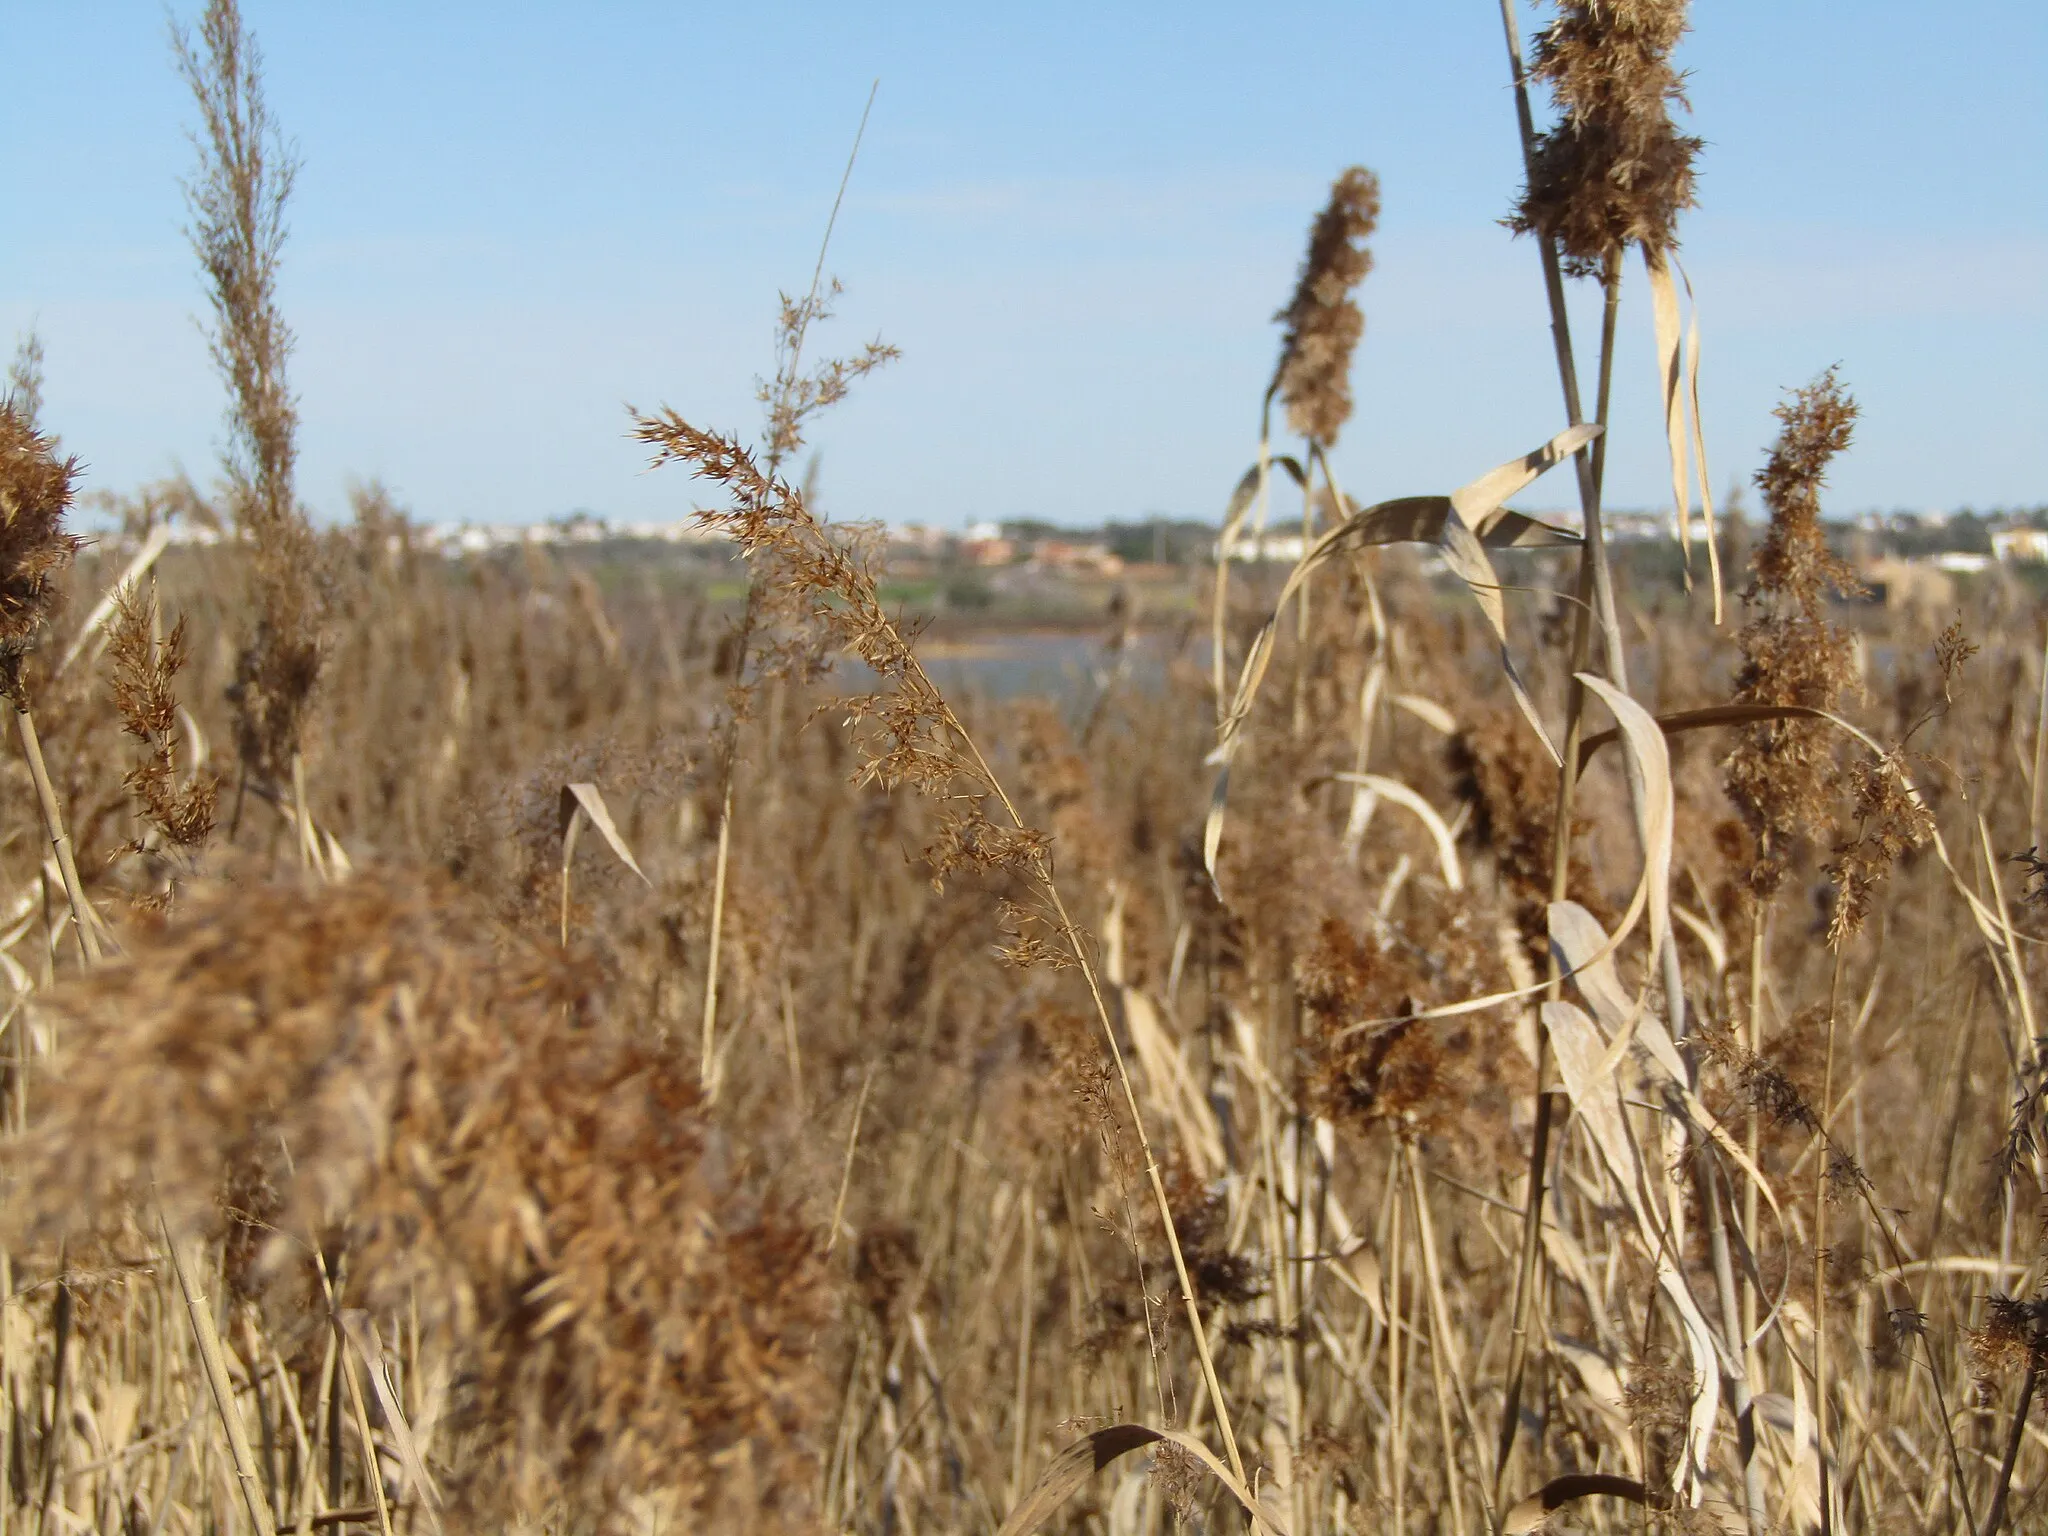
(1657, 810)
(1072, 1467)
(1427, 814)
(1597, 1105)
(584, 800)
(1463, 526)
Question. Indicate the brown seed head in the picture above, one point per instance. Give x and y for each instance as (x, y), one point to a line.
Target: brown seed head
(35, 493)
(2013, 1338)
(145, 672)
(794, 396)
(1413, 1076)
(1323, 321)
(1782, 773)
(1201, 1222)
(1889, 821)
(1818, 422)
(1615, 171)
(389, 1078)
(1766, 1085)
(905, 731)
(237, 200)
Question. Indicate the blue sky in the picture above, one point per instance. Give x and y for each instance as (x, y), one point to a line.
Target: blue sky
(1075, 220)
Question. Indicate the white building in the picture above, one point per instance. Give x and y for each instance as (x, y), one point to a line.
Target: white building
(2020, 544)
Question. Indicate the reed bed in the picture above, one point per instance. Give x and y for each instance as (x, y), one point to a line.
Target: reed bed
(504, 1044)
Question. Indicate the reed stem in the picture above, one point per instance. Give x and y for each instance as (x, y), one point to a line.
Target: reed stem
(213, 1360)
(83, 920)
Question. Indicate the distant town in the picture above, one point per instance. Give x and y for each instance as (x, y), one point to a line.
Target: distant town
(1963, 540)
(1021, 564)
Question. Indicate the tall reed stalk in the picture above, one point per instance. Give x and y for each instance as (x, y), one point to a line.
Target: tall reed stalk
(791, 399)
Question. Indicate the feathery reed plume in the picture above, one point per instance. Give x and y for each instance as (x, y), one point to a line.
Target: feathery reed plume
(770, 639)
(258, 1003)
(35, 494)
(791, 400)
(794, 396)
(1655, 1401)
(457, 1118)
(1419, 1078)
(1781, 775)
(1615, 171)
(1397, 1074)
(1794, 561)
(2014, 1337)
(237, 202)
(1781, 772)
(1767, 1086)
(25, 379)
(1201, 1223)
(1323, 321)
(145, 672)
(1890, 822)
(907, 734)
(2024, 1125)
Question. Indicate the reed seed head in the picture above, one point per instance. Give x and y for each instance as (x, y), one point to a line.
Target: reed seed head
(1890, 822)
(795, 394)
(145, 672)
(1781, 775)
(1323, 321)
(1614, 171)
(237, 201)
(1817, 424)
(36, 489)
(391, 1080)
(905, 731)
(1416, 1077)
(1765, 1084)
(2013, 1338)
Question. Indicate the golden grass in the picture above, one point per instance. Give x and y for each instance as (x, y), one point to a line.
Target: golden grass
(952, 1154)
(611, 1076)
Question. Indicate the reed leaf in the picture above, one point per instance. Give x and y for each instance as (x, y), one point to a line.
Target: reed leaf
(1065, 1474)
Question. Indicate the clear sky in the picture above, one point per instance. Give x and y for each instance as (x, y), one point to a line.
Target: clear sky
(1076, 220)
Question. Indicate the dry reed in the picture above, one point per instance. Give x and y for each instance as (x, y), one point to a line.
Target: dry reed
(425, 1130)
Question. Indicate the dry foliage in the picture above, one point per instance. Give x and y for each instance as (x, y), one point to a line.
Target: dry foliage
(448, 1120)
(1614, 171)
(379, 1149)
(1783, 775)
(237, 201)
(35, 496)
(1323, 321)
